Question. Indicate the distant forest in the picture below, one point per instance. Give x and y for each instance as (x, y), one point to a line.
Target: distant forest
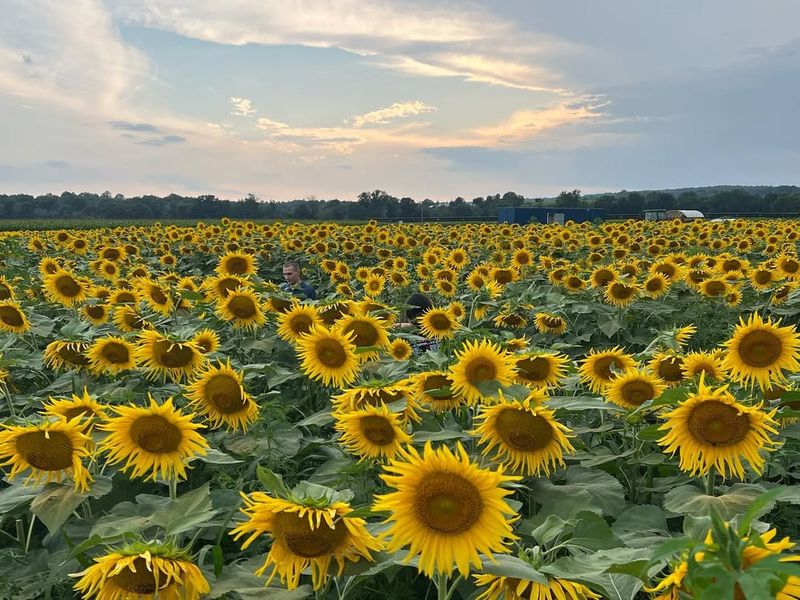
(381, 205)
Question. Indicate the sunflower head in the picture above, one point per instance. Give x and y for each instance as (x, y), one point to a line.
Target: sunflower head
(66, 354)
(242, 308)
(162, 357)
(111, 355)
(437, 323)
(84, 407)
(400, 349)
(601, 366)
(328, 355)
(372, 432)
(239, 264)
(633, 388)
(479, 362)
(511, 588)
(297, 321)
(540, 369)
(548, 323)
(207, 340)
(218, 395)
(12, 319)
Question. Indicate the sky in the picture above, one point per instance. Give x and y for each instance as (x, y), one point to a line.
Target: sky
(422, 98)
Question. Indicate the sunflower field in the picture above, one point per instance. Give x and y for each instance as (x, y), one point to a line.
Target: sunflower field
(467, 412)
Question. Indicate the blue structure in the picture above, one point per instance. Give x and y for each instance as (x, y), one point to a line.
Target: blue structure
(549, 214)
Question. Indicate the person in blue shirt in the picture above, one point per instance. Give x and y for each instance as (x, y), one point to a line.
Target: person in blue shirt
(417, 305)
(294, 283)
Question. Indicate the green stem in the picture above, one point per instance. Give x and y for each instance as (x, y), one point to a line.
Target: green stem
(441, 586)
(709, 481)
(453, 587)
(8, 401)
(30, 533)
(173, 487)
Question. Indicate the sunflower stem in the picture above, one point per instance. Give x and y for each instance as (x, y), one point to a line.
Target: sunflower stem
(8, 401)
(30, 533)
(453, 587)
(173, 487)
(709, 481)
(441, 586)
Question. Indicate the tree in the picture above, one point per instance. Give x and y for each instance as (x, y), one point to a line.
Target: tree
(569, 199)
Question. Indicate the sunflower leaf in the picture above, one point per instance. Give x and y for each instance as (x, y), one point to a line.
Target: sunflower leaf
(272, 482)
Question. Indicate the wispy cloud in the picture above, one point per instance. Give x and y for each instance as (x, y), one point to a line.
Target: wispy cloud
(128, 126)
(242, 107)
(269, 124)
(397, 110)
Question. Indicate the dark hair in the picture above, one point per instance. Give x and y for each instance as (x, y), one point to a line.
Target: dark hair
(417, 304)
(293, 264)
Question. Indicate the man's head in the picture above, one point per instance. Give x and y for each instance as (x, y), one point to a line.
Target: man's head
(416, 305)
(291, 272)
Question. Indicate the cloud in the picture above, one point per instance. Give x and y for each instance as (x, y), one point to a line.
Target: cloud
(128, 126)
(242, 107)
(269, 124)
(56, 164)
(164, 140)
(398, 110)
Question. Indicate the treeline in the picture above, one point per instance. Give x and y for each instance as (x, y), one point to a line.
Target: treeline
(381, 205)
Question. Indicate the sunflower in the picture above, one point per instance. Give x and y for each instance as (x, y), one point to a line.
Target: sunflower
(159, 439)
(373, 285)
(603, 276)
(206, 340)
(511, 588)
(435, 389)
(220, 287)
(85, 407)
(510, 320)
(601, 366)
(12, 319)
(6, 289)
(655, 286)
(695, 363)
(155, 295)
(438, 324)
(478, 362)
(620, 294)
(788, 266)
(96, 314)
(51, 450)
(218, 395)
(668, 367)
(711, 429)
(304, 536)
(446, 508)
(379, 393)
(540, 369)
(684, 334)
(517, 344)
(523, 435)
(128, 320)
(714, 287)
(242, 309)
(163, 357)
(400, 349)
(65, 288)
(111, 354)
(632, 388)
(145, 571)
(329, 356)
(64, 354)
(763, 277)
(759, 351)
(547, 323)
(239, 264)
(371, 432)
(366, 332)
(297, 321)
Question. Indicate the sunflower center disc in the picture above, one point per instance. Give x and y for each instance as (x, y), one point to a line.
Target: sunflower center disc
(173, 355)
(115, 353)
(440, 323)
(447, 503)
(534, 369)
(365, 334)
(602, 367)
(523, 431)
(637, 392)
(11, 316)
(68, 286)
(763, 277)
(95, 312)
(330, 353)
(481, 370)
(654, 285)
(225, 393)
(438, 382)
(242, 306)
(298, 536)
(377, 430)
(5, 292)
(718, 424)
(158, 296)
(760, 348)
(237, 266)
(715, 288)
(300, 324)
(669, 369)
(141, 582)
(72, 356)
(226, 286)
(78, 411)
(52, 453)
(155, 434)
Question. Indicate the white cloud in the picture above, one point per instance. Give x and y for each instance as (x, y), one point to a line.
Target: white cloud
(269, 124)
(397, 110)
(242, 107)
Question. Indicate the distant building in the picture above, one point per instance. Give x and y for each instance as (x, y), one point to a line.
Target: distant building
(661, 214)
(549, 214)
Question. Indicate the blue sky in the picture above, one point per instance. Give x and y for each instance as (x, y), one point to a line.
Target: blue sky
(432, 99)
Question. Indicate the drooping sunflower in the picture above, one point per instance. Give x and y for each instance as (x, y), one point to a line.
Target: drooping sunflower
(540, 369)
(219, 287)
(621, 294)
(714, 287)
(239, 264)
(365, 332)
(371, 432)
(96, 314)
(328, 355)
(144, 571)
(523, 435)
(297, 321)
(602, 277)
(668, 367)
(446, 509)
(510, 320)
(655, 286)
(511, 588)
(242, 309)
(158, 439)
(65, 288)
(128, 320)
(400, 349)
(547, 323)
(12, 319)
(600, 367)
(65, 354)
(379, 393)
(634, 387)
(207, 340)
(695, 363)
(711, 429)
(434, 388)
(84, 407)
(219, 395)
(50, 450)
(759, 351)
(163, 357)
(304, 536)
(111, 354)
(477, 362)
(438, 324)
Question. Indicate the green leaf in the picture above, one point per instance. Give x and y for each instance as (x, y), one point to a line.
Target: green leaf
(594, 569)
(17, 494)
(641, 526)
(272, 482)
(581, 403)
(187, 512)
(216, 457)
(690, 500)
(605, 492)
(54, 505)
(550, 529)
(323, 417)
(504, 565)
(651, 433)
(591, 532)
